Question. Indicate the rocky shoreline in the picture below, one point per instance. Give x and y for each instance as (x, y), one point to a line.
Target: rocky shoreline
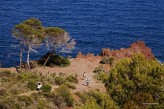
(136, 47)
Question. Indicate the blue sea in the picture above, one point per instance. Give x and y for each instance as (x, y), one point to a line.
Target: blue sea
(94, 24)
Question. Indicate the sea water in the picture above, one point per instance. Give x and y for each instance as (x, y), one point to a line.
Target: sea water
(94, 24)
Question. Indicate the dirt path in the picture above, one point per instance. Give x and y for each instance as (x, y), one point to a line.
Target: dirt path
(79, 66)
(27, 93)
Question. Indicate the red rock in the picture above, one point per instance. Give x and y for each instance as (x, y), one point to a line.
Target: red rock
(137, 47)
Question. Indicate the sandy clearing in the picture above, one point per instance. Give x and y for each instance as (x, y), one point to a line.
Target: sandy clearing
(79, 66)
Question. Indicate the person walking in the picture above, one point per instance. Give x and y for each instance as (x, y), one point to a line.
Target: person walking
(87, 81)
(84, 75)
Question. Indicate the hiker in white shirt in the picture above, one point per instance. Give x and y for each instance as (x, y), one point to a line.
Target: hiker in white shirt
(39, 86)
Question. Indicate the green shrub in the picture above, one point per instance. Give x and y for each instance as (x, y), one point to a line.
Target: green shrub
(42, 104)
(59, 80)
(5, 79)
(72, 78)
(102, 76)
(59, 101)
(65, 93)
(71, 86)
(49, 80)
(46, 88)
(98, 69)
(91, 104)
(55, 60)
(27, 75)
(65, 62)
(100, 100)
(136, 80)
(10, 102)
(130, 104)
(27, 100)
(107, 60)
(6, 73)
(22, 77)
(31, 84)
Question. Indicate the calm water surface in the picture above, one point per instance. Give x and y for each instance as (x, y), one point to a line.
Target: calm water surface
(94, 24)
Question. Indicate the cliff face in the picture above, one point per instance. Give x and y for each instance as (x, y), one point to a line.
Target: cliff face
(137, 47)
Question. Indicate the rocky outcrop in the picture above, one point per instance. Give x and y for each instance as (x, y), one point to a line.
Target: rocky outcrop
(137, 47)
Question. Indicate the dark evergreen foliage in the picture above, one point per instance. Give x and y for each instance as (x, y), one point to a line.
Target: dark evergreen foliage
(55, 60)
(136, 81)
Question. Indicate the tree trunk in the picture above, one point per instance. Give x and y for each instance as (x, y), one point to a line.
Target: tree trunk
(21, 51)
(47, 59)
(28, 56)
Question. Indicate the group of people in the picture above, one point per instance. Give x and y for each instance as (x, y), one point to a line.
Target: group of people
(86, 79)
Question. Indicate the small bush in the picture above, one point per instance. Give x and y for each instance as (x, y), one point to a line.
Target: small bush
(5, 79)
(6, 73)
(27, 100)
(27, 75)
(9, 102)
(42, 104)
(59, 101)
(55, 60)
(65, 93)
(31, 85)
(98, 69)
(46, 88)
(49, 80)
(22, 77)
(91, 104)
(59, 80)
(65, 62)
(107, 60)
(101, 100)
(102, 76)
(72, 78)
(71, 86)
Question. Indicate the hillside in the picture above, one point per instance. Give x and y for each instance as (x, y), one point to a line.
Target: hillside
(124, 82)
